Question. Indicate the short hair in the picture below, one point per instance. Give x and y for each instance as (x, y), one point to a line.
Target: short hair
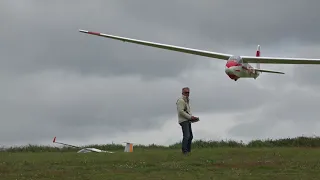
(184, 88)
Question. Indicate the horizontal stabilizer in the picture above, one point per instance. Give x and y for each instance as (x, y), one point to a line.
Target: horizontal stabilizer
(268, 71)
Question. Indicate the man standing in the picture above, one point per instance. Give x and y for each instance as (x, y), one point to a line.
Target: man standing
(185, 119)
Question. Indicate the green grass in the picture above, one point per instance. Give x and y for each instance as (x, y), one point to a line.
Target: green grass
(296, 158)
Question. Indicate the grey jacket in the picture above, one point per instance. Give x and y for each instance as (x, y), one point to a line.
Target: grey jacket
(183, 109)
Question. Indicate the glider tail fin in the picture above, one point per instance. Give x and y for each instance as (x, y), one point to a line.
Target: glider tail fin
(128, 147)
(258, 55)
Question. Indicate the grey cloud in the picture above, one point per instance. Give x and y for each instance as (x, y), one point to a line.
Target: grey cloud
(71, 104)
(74, 104)
(297, 107)
(306, 75)
(52, 41)
(232, 98)
(244, 22)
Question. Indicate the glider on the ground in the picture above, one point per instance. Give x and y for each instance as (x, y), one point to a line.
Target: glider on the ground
(236, 66)
(83, 150)
(128, 147)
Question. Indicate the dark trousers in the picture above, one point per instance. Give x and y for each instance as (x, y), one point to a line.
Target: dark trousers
(187, 136)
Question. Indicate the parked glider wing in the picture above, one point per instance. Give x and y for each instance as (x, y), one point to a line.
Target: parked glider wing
(279, 60)
(87, 150)
(84, 150)
(163, 46)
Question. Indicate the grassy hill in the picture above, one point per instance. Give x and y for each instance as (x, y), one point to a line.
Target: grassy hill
(291, 158)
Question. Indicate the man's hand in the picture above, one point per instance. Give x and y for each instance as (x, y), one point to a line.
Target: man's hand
(194, 119)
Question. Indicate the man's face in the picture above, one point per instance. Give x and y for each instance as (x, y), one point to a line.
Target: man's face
(186, 92)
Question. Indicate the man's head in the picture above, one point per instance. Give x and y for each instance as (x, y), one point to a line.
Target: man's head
(185, 91)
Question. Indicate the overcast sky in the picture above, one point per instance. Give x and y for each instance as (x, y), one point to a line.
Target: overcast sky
(56, 81)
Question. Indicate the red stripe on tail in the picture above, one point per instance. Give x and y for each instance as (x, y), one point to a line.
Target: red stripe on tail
(258, 51)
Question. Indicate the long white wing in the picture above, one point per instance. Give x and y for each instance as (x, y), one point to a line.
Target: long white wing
(247, 59)
(163, 46)
(279, 60)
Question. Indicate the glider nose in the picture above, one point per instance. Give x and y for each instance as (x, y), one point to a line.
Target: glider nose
(230, 72)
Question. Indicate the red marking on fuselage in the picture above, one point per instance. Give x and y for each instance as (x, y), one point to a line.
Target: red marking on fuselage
(232, 76)
(94, 33)
(232, 63)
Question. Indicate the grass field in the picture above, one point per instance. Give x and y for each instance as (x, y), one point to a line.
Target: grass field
(209, 160)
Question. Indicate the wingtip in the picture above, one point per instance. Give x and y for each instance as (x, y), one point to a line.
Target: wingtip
(89, 32)
(84, 31)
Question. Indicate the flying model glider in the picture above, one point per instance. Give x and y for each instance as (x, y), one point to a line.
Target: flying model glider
(236, 66)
